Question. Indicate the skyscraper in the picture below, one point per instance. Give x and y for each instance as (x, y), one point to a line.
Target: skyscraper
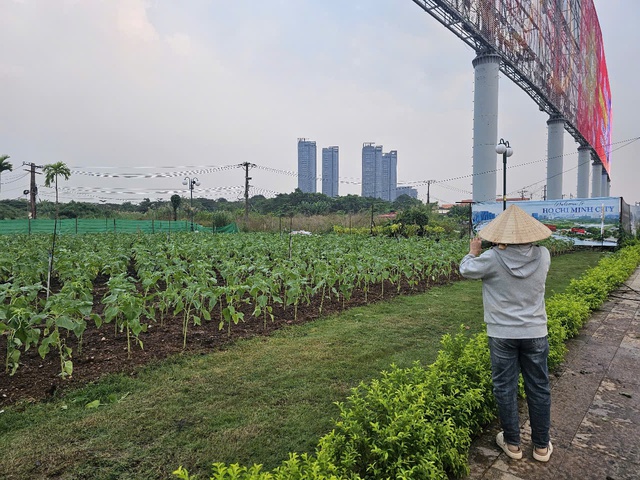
(379, 172)
(389, 175)
(330, 168)
(371, 166)
(306, 165)
(406, 190)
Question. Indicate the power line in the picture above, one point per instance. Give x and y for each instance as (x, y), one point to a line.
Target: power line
(199, 171)
(141, 191)
(13, 180)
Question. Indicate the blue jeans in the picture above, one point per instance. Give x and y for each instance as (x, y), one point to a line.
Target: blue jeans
(528, 356)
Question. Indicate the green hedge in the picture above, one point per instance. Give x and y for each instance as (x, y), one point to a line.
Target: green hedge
(93, 225)
(417, 423)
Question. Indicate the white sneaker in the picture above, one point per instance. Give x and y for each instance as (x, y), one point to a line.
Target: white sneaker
(543, 457)
(503, 445)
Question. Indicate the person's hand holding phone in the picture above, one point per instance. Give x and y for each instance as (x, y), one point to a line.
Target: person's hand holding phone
(475, 246)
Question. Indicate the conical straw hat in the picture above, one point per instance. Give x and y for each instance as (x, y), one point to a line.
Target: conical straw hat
(514, 226)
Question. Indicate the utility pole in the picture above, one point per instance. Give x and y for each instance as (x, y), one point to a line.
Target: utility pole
(429, 182)
(246, 166)
(544, 193)
(372, 223)
(522, 192)
(33, 188)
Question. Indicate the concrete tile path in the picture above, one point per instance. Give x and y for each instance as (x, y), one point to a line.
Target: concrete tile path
(595, 412)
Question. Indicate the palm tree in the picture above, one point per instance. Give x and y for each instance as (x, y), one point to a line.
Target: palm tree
(4, 165)
(175, 203)
(51, 173)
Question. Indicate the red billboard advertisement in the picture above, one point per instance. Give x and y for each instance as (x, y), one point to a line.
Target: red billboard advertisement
(553, 50)
(593, 115)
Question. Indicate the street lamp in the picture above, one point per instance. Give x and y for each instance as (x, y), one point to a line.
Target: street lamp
(505, 150)
(191, 182)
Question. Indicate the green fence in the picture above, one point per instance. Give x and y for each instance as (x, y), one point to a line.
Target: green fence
(111, 225)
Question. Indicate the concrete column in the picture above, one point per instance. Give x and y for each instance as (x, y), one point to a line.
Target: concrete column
(485, 126)
(555, 152)
(584, 159)
(604, 185)
(596, 179)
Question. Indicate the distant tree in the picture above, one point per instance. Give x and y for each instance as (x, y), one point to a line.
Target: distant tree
(175, 204)
(404, 201)
(296, 198)
(258, 204)
(460, 211)
(51, 173)
(205, 204)
(352, 203)
(128, 207)
(145, 205)
(10, 209)
(221, 218)
(5, 165)
(81, 210)
(414, 216)
(69, 211)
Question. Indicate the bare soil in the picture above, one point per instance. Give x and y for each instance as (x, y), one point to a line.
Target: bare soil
(104, 350)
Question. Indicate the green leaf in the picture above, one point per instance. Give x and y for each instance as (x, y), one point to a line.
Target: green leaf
(97, 319)
(43, 349)
(179, 307)
(110, 313)
(94, 404)
(67, 369)
(66, 323)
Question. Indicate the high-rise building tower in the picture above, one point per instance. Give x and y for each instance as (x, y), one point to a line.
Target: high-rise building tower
(330, 168)
(379, 172)
(306, 165)
(406, 190)
(371, 169)
(389, 180)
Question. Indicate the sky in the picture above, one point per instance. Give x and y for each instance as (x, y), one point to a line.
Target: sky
(136, 95)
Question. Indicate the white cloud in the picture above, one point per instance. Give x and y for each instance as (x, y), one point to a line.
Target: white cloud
(181, 44)
(137, 83)
(133, 22)
(13, 71)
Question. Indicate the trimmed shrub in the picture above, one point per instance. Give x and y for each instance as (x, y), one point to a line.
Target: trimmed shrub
(570, 309)
(416, 422)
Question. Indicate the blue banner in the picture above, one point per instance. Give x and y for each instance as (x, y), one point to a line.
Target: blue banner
(585, 221)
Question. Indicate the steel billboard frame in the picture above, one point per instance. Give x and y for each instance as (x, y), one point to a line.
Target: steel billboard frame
(542, 46)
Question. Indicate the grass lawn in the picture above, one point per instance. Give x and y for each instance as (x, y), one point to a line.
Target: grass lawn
(251, 403)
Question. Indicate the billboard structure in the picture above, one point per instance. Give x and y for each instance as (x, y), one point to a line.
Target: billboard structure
(552, 49)
(585, 221)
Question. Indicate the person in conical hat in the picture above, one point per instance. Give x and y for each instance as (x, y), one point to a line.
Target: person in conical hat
(513, 274)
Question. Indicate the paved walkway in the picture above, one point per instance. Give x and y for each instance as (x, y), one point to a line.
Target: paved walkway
(595, 413)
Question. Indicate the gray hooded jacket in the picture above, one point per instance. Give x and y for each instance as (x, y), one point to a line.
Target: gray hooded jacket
(513, 283)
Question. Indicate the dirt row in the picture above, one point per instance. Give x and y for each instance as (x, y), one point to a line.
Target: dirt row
(104, 350)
